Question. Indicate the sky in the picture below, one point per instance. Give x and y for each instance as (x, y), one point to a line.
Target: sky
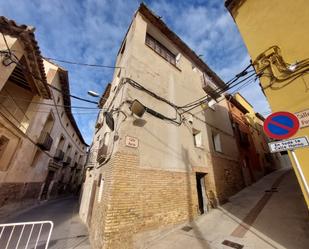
(91, 31)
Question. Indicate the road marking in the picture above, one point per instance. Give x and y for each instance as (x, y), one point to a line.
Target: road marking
(247, 222)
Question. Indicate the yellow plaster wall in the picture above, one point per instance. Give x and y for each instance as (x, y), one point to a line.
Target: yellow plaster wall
(283, 23)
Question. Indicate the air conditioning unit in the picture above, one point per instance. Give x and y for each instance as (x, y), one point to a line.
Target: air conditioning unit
(209, 86)
(102, 154)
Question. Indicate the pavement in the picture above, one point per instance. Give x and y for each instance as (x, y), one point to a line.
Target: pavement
(269, 214)
(69, 232)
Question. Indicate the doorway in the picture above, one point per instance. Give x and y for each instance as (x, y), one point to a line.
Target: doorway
(201, 193)
(48, 180)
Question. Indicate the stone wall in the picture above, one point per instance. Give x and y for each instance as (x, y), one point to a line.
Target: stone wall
(18, 192)
(136, 199)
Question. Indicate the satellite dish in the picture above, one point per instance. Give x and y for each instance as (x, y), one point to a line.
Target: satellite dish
(109, 120)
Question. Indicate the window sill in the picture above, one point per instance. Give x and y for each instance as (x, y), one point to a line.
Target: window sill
(163, 58)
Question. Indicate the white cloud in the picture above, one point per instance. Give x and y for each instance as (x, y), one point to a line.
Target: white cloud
(91, 31)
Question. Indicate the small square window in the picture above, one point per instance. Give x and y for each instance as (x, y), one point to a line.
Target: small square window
(198, 138)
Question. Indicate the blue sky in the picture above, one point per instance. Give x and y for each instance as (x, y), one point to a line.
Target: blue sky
(91, 31)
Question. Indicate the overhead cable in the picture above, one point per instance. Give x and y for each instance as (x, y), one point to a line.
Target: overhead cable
(80, 63)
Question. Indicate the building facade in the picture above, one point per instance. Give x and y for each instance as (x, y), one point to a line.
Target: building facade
(41, 148)
(153, 162)
(278, 47)
(254, 155)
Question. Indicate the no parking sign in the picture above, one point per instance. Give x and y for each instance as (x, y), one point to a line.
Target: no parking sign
(281, 125)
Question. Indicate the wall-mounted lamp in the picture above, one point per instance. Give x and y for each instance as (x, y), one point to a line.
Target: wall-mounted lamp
(93, 94)
(137, 108)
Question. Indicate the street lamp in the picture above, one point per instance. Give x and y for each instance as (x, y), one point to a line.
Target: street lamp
(93, 94)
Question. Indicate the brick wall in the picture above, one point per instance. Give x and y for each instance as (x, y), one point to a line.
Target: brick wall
(224, 179)
(136, 199)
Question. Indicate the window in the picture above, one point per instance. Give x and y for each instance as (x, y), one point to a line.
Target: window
(123, 48)
(58, 99)
(49, 123)
(118, 76)
(198, 139)
(3, 144)
(217, 142)
(69, 149)
(61, 143)
(36, 158)
(103, 148)
(8, 146)
(160, 49)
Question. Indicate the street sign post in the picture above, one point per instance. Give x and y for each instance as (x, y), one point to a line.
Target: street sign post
(283, 125)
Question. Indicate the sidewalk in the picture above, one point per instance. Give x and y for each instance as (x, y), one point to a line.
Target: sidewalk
(269, 214)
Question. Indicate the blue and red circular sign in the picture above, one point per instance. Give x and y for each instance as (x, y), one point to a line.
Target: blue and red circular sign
(281, 125)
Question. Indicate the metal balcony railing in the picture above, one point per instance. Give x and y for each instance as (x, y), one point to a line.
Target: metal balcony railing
(45, 141)
(59, 155)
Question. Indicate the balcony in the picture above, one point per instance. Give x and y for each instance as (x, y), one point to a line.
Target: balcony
(102, 154)
(53, 163)
(45, 141)
(59, 155)
(209, 86)
(67, 161)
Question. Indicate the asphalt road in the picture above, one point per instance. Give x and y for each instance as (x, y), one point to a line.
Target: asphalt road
(68, 232)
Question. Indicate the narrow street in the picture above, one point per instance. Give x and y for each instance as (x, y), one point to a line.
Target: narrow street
(269, 214)
(68, 232)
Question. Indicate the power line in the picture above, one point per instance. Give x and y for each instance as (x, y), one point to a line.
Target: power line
(193, 106)
(73, 96)
(231, 83)
(48, 104)
(49, 85)
(80, 63)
